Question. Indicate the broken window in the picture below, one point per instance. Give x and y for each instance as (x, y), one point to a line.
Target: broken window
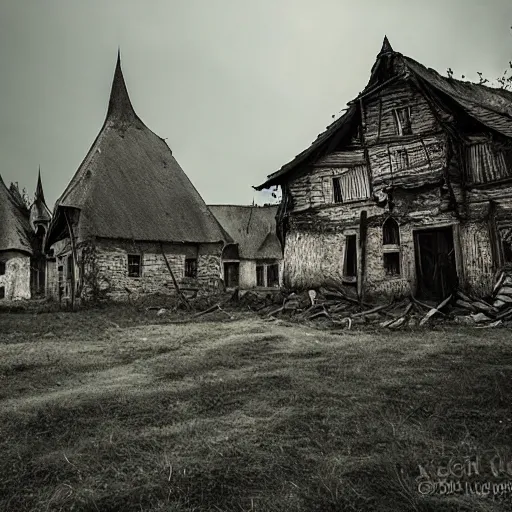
(392, 263)
(260, 275)
(2, 292)
(403, 121)
(402, 159)
(134, 265)
(350, 264)
(191, 267)
(273, 275)
(336, 187)
(390, 232)
(2, 268)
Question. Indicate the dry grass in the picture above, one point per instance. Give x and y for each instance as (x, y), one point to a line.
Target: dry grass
(106, 410)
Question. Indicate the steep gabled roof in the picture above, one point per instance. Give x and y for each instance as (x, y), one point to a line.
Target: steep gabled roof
(130, 186)
(14, 225)
(39, 212)
(491, 107)
(253, 228)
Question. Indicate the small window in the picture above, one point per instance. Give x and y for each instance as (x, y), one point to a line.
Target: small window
(273, 275)
(403, 121)
(260, 275)
(390, 232)
(134, 265)
(2, 292)
(402, 159)
(191, 267)
(336, 187)
(2, 268)
(392, 263)
(350, 265)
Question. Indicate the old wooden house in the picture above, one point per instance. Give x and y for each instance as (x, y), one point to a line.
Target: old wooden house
(255, 259)
(410, 190)
(130, 220)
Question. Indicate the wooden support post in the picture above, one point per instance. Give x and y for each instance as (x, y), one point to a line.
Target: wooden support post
(73, 257)
(363, 229)
(176, 285)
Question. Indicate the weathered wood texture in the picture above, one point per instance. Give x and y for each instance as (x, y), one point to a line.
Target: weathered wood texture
(408, 164)
(487, 163)
(379, 112)
(316, 187)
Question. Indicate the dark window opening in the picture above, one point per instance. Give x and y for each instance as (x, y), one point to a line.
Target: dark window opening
(273, 275)
(402, 159)
(2, 268)
(392, 263)
(231, 274)
(403, 121)
(507, 251)
(69, 268)
(260, 275)
(390, 232)
(134, 265)
(350, 266)
(191, 267)
(336, 187)
(2, 292)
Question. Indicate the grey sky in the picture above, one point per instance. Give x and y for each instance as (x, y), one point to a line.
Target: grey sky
(237, 87)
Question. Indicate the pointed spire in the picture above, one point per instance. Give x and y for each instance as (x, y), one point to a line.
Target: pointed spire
(39, 196)
(119, 106)
(386, 46)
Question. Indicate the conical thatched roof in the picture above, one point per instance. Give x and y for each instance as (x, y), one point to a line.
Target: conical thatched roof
(130, 186)
(14, 225)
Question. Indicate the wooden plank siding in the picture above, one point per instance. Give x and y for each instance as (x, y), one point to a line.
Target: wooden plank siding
(486, 164)
(316, 188)
(380, 116)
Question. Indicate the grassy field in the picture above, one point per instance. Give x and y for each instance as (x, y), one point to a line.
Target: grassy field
(114, 410)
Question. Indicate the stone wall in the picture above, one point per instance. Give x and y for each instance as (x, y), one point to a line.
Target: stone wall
(16, 280)
(105, 269)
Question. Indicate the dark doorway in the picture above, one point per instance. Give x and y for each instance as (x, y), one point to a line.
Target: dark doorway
(435, 263)
(231, 274)
(350, 264)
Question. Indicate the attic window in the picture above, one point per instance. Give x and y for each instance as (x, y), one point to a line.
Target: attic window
(403, 121)
(336, 187)
(191, 268)
(2, 268)
(134, 265)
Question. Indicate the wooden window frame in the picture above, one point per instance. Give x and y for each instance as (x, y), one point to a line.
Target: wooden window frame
(398, 122)
(129, 266)
(337, 195)
(191, 268)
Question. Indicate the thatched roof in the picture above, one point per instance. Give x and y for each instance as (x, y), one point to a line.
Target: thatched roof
(39, 212)
(489, 106)
(14, 225)
(130, 186)
(253, 228)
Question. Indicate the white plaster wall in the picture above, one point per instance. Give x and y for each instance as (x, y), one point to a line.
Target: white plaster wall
(16, 279)
(247, 273)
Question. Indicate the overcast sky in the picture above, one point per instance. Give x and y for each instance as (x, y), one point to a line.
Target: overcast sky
(237, 87)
